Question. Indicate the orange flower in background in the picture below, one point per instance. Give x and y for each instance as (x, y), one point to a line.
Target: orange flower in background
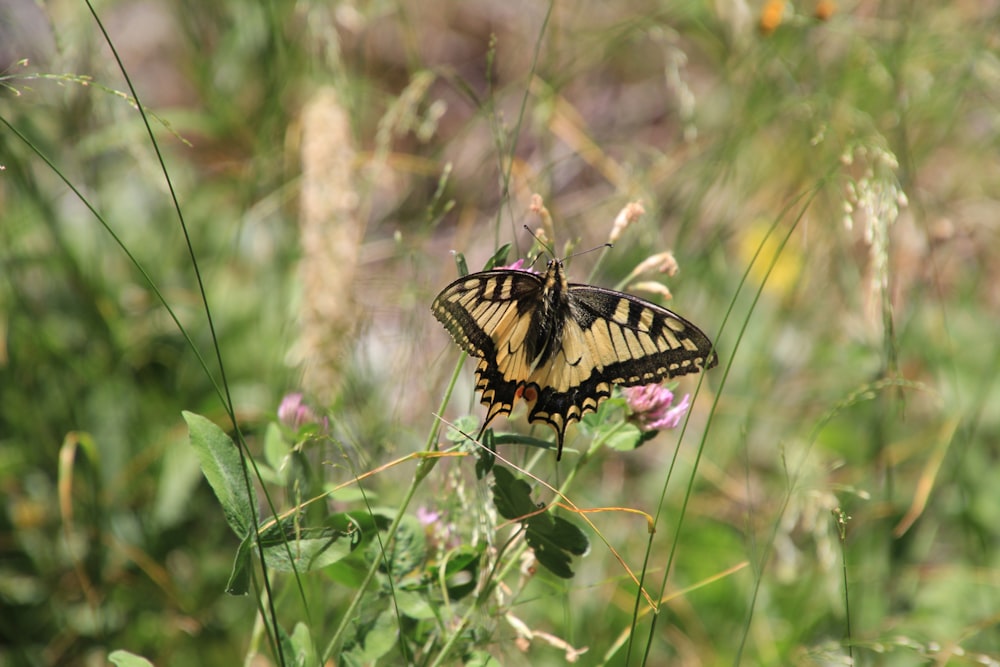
(771, 15)
(825, 9)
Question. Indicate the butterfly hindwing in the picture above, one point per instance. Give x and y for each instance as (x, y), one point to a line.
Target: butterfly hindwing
(562, 347)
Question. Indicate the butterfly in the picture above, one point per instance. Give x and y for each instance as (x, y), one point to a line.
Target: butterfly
(562, 346)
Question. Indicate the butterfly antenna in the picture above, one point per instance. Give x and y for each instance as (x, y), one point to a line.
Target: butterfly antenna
(538, 239)
(603, 246)
(552, 253)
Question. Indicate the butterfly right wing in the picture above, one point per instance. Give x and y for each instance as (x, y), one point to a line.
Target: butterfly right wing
(613, 338)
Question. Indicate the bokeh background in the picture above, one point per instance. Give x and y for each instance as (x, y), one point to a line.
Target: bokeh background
(826, 175)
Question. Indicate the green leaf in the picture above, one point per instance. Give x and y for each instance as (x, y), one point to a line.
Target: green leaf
(480, 659)
(365, 522)
(289, 547)
(486, 456)
(511, 495)
(461, 571)
(609, 426)
(408, 550)
(499, 258)
(549, 555)
(303, 648)
(349, 572)
(122, 658)
(223, 468)
(461, 429)
(309, 549)
(276, 451)
(570, 536)
(239, 578)
(373, 640)
(622, 437)
(414, 605)
(554, 539)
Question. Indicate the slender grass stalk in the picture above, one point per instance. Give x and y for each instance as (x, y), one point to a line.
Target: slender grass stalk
(424, 467)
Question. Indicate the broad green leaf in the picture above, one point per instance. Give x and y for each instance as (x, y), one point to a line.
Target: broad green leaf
(549, 555)
(553, 538)
(303, 548)
(122, 658)
(349, 572)
(409, 549)
(623, 436)
(511, 495)
(302, 644)
(373, 639)
(414, 604)
(313, 548)
(223, 468)
(570, 536)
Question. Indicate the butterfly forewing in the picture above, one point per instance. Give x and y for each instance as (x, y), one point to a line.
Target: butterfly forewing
(485, 308)
(562, 346)
(636, 342)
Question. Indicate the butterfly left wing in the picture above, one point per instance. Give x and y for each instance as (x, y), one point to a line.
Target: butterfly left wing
(489, 314)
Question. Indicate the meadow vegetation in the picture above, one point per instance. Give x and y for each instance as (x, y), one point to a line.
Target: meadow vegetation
(231, 430)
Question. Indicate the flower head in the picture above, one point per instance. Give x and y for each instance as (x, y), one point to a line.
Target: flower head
(628, 215)
(295, 413)
(653, 406)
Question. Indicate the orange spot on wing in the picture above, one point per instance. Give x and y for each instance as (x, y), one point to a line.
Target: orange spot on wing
(530, 394)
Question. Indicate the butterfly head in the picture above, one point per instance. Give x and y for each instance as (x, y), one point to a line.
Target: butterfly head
(555, 277)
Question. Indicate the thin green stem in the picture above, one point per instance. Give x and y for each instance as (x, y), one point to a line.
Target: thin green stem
(424, 466)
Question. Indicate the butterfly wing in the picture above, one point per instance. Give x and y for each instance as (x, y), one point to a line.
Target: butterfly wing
(637, 342)
(613, 338)
(489, 314)
(565, 359)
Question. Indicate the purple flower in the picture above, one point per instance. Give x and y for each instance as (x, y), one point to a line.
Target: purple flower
(295, 413)
(653, 406)
(427, 516)
(440, 532)
(516, 266)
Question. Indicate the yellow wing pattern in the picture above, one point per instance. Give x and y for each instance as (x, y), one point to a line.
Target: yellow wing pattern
(562, 347)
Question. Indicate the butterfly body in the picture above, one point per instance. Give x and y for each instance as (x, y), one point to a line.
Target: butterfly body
(563, 346)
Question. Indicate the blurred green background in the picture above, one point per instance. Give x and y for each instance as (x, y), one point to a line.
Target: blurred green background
(328, 157)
